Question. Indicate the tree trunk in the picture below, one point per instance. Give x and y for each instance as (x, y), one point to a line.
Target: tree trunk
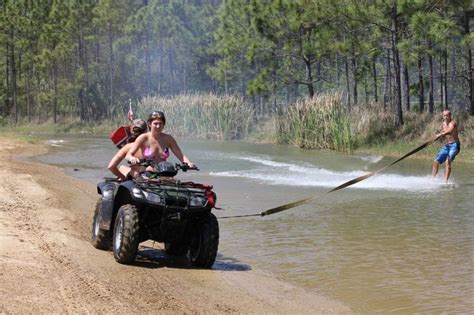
(374, 74)
(6, 109)
(318, 75)
(354, 72)
(160, 70)
(445, 87)
(38, 99)
(28, 100)
(387, 85)
(421, 88)
(430, 91)
(396, 64)
(111, 71)
(170, 56)
(453, 74)
(147, 56)
(469, 64)
(309, 77)
(226, 92)
(82, 105)
(441, 81)
(243, 86)
(13, 74)
(406, 80)
(185, 74)
(55, 92)
(274, 84)
(348, 83)
(366, 90)
(84, 62)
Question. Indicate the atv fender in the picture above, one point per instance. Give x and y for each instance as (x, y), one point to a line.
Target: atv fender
(133, 190)
(108, 191)
(126, 193)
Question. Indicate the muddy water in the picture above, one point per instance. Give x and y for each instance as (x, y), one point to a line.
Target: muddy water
(399, 242)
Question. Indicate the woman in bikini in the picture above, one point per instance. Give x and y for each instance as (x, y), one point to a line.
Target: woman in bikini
(155, 144)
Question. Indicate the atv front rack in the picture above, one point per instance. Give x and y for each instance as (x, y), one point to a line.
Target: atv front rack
(179, 195)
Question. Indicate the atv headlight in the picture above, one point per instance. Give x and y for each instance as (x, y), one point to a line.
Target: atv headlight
(137, 193)
(197, 201)
(153, 198)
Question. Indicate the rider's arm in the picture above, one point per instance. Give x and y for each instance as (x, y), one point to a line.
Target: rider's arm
(134, 149)
(173, 145)
(118, 157)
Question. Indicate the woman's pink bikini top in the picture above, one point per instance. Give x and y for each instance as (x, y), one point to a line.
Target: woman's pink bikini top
(149, 154)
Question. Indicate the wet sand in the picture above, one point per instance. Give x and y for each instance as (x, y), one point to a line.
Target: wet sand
(47, 263)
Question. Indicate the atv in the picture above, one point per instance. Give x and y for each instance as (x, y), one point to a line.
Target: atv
(156, 206)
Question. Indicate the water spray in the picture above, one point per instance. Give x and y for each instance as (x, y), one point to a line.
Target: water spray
(343, 185)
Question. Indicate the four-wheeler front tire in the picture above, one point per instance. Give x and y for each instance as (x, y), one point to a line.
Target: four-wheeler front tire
(204, 243)
(100, 238)
(126, 234)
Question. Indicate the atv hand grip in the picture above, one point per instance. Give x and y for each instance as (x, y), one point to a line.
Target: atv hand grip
(185, 166)
(142, 162)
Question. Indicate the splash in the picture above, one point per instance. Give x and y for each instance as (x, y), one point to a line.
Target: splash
(55, 143)
(371, 158)
(280, 173)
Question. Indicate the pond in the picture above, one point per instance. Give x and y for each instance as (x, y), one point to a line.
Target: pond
(397, 242)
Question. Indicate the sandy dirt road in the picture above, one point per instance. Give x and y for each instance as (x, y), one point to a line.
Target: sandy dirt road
(47, 264)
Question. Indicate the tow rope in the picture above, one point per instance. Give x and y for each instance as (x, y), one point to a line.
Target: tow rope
(343, 185)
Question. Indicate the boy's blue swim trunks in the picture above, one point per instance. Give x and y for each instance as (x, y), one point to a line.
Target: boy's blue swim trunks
(450, 150)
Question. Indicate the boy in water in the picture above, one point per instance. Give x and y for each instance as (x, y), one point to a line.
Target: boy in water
(450, 149)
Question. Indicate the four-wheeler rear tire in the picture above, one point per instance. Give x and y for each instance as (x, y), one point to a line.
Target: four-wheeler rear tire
(203, 248)
(175, 249)
(126, 234)
(100, 238)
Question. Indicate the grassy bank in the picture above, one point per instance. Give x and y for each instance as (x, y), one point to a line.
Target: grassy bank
(376, 134)
(203, 116)
(36, 133)
(324, 123)
(319, 123)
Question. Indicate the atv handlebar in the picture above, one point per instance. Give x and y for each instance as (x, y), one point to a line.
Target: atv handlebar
(183, 166)
(142, 162)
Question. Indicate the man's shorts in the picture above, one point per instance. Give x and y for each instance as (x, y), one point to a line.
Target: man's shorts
(449, 151)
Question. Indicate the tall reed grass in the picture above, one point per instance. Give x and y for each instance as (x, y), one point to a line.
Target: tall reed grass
(321, 122)
(202, 115)
(371, 124)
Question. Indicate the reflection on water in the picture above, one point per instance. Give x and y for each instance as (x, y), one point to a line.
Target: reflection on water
(398, 242)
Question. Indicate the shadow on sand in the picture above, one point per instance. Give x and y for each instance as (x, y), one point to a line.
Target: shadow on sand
(149, 257)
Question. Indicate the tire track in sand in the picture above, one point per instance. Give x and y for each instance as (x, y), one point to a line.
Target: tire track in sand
(72, 282)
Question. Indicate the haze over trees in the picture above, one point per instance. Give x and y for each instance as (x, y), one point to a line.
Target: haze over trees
(88, 58)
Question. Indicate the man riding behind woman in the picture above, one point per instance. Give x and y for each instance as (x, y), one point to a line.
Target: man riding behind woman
(137, 128)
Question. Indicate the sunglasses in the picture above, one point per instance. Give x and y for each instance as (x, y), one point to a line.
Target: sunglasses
(156, 114)
(137, 130)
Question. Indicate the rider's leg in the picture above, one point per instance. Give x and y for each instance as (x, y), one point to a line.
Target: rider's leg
(435, 168)
(124, 170)
(447, 170)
